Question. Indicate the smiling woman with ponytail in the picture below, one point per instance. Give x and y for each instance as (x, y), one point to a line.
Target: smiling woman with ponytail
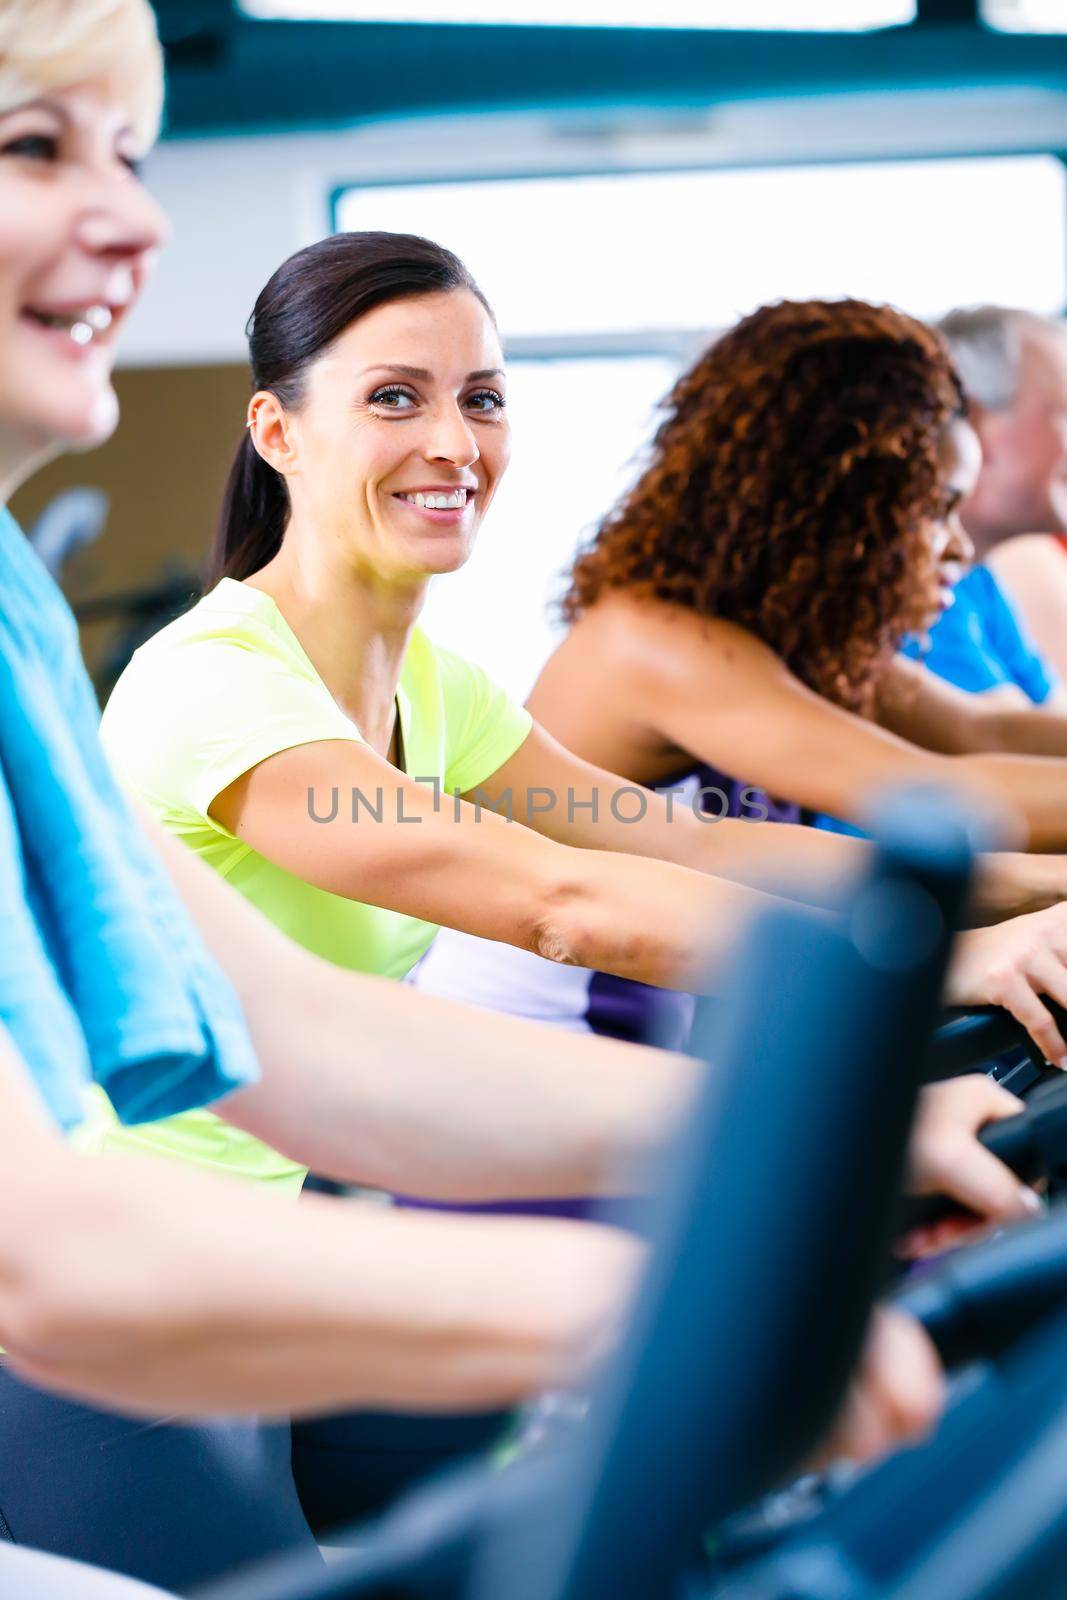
(309, 302)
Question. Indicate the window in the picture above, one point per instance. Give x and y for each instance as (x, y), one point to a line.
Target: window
(1026, 16)
(849, 16)
(632, 252)
(577, 425)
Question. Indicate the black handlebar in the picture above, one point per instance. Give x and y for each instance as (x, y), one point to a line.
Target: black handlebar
(975, 1304)
(967, 1041)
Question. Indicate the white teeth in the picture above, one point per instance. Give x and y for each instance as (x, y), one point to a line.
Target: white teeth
(438, 502)
(82, 326)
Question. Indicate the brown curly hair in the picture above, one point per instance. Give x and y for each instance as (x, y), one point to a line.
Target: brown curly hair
(787, 489)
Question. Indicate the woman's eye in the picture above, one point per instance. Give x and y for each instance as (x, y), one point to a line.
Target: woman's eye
(37, 146)
(487, 401)
(392, 398)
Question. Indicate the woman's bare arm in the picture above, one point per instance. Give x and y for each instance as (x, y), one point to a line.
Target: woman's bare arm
(462, 866)
(147, 1285)
(931, 712)
(713, 689)
(576, 803)
(373, 1082)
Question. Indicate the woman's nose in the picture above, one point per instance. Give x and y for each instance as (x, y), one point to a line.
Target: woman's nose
(122, 220)
(959, 546)
(452, 438)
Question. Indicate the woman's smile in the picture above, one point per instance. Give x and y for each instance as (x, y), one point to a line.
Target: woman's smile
(80, 331)
(948, 576)
(447, 505)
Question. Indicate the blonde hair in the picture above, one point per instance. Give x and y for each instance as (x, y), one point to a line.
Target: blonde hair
(47, 45)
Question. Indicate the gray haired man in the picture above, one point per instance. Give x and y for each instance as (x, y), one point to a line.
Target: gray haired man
(1006, 634)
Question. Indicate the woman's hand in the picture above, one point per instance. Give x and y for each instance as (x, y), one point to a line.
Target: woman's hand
(945, 1157)
(1014, 965)
(896, 1395)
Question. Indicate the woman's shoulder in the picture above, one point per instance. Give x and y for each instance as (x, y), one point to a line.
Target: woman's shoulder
(660, 636)
(224, 657)
(231, 622)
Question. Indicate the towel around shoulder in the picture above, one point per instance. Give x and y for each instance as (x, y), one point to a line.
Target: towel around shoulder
(102, 976)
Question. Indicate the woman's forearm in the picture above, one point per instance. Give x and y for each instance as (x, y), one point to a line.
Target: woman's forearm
(813, 865)
(808, 864)
(148, 1286)
(375, 1082)
(1024, 730)
(152, 1286)
(651, 920)
(1034, 787)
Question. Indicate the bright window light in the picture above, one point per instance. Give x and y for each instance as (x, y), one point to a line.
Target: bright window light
(650, 252)
(1026, 16)
(845, 16)
(576, 427)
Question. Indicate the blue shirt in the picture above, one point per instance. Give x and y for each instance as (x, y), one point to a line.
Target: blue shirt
(978, 644)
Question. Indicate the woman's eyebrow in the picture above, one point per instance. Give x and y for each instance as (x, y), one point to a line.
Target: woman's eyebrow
(40, 102)
(422, 374)
(404, 372)
(56, 108)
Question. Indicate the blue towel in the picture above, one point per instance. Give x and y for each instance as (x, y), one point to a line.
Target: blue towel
(102, 975)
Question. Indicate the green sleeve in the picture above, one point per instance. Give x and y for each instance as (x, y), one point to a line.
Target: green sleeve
(184, 723)
(484, 725)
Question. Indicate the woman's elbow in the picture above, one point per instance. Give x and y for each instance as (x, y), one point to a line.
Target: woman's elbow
(572, 925)
(557, 923)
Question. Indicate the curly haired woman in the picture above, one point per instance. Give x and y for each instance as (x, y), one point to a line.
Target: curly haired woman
(736, 621)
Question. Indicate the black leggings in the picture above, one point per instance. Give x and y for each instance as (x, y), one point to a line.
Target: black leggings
(177, 1504)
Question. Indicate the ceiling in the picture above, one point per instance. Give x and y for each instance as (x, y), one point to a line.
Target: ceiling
(231, 74)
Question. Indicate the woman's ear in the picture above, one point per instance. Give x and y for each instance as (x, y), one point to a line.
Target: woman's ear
(270, 426)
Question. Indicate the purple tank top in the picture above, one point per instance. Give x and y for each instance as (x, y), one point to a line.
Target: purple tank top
(622, 1008)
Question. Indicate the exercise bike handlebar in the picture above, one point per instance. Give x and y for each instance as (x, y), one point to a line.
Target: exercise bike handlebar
(966, 1041)
(981, 1300)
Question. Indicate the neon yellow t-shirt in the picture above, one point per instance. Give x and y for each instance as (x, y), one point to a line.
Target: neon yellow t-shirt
(214, 693)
